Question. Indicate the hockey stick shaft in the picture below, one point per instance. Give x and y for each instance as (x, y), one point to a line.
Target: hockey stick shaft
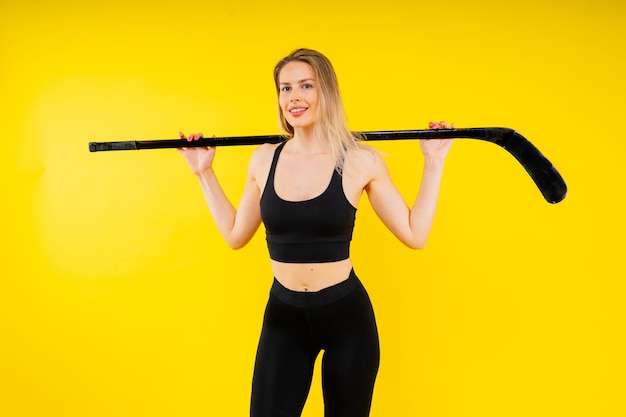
(473, 133)
(541, 170)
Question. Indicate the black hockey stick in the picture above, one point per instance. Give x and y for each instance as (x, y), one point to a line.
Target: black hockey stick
(540, 169)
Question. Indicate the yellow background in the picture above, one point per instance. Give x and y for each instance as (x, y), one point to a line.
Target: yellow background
(118, 297)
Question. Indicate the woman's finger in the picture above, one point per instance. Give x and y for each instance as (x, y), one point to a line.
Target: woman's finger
(441, 125)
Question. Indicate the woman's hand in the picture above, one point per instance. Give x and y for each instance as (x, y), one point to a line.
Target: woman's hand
(200, 159)
(437, 148)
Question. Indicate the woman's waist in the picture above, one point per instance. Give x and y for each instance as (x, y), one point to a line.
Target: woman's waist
(307, 277)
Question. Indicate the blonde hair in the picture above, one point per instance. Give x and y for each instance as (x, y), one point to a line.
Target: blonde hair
(331, 128)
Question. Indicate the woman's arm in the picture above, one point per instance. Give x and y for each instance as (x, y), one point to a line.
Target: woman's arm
(411, 226)
(237, 226)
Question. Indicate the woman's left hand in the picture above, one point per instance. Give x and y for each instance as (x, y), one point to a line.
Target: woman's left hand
(437, 148)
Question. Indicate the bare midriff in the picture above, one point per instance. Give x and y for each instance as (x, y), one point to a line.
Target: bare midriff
(306, 277)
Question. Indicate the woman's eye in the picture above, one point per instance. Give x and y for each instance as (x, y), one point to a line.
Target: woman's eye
(285, 89)
(307, 86)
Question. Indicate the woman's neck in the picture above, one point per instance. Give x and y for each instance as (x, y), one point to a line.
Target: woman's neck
(305, 140)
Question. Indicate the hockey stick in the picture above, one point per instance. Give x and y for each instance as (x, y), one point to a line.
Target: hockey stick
(540, 169)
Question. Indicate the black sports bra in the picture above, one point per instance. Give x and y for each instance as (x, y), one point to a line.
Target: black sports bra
(310, 231)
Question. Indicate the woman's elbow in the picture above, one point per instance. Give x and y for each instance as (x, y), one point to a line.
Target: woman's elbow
(236, 243)
(415, 243)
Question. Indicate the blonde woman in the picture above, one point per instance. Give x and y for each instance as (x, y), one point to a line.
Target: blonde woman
(306, 191)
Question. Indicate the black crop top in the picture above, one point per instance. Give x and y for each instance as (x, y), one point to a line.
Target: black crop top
(309, 231)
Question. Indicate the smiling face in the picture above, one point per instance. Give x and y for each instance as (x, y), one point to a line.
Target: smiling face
(298, 95)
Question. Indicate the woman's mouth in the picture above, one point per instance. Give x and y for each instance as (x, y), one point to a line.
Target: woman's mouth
(297, 111)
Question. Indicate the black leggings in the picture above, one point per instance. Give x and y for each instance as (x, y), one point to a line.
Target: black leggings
(297, 326)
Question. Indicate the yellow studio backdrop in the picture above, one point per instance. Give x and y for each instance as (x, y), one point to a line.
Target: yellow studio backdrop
(119, 298)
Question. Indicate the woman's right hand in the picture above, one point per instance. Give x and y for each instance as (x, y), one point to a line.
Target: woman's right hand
(200, 159)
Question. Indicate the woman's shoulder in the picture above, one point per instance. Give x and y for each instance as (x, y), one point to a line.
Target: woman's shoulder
(365, 156)
(365, 162)
(262, 156)
(265, 151)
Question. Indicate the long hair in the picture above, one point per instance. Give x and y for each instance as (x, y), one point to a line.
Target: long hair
(331, 128)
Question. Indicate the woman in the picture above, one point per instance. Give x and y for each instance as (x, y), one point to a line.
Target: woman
(306, 191)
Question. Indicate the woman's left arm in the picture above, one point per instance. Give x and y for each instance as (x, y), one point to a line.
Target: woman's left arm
(411, 225)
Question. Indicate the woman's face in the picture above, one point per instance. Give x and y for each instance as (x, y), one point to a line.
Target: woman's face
(297, 95)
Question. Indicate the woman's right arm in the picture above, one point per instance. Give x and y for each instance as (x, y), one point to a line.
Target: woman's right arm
(237, 226)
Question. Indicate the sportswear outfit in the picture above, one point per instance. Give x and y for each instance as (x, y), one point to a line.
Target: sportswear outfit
(298, 325)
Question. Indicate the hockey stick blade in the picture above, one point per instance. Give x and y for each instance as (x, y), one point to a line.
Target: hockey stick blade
(543, 173)
(546, 177)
